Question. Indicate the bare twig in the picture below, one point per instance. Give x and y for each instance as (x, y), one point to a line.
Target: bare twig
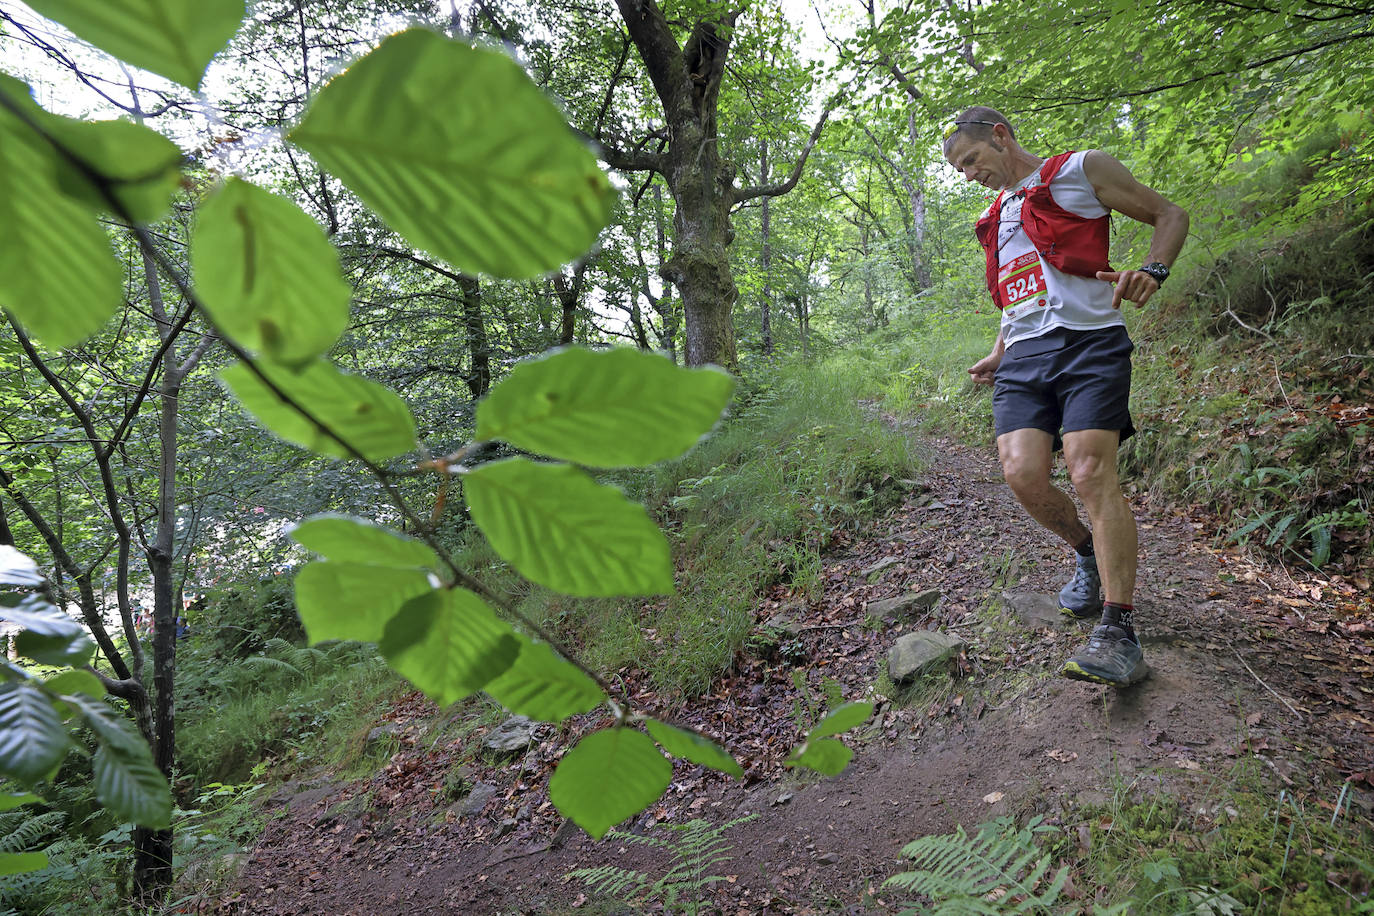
(1260, 681)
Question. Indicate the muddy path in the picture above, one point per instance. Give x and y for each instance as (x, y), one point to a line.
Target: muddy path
(1248, 662)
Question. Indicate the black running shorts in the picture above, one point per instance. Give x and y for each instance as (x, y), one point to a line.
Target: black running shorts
(1065, 381)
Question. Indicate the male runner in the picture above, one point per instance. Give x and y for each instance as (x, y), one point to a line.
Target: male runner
(1061, 367)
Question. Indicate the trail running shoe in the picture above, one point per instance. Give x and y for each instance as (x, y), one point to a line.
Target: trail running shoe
(1081, 599)
(1108, 658)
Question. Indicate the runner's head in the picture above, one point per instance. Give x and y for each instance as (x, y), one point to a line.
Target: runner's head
(981, 144)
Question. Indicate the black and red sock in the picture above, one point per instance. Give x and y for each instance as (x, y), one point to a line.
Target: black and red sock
(1119, 615)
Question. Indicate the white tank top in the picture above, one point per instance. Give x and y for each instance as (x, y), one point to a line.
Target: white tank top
(1040, 297)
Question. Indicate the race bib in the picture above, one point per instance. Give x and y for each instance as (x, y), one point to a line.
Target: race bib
(1022, 282)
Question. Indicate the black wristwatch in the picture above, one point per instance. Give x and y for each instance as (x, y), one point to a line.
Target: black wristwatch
(1156, 270)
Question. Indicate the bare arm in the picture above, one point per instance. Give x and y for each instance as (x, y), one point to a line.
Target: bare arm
(1118, 190)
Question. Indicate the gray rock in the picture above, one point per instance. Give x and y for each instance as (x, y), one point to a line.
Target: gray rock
(907, 606)
(783, 799)
(477, 799)
(1036, 610)
(915, 653)
(566, 831)
(784, 621)
(829, 858)
(506, 827)
(880, 567)
(382, 734)
(511, 736)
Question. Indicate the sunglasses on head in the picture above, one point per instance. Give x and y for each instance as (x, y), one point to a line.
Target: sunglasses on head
(954, 127)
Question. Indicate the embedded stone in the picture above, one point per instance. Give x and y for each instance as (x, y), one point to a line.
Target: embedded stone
(910, 605)
(916, 653)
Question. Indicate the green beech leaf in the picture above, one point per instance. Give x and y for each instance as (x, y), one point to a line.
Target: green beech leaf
(127, 782)
(33, 740)
(449, 644)
(111, 726)
(614, 408)
(560, 528)
(138, 166)
(841, 719)
(352, 601)
(824, 755)
(543, 686)
(58, 274)
(16, 569)
(344, 539)
(369, 416)
(10, 802)
(75, 682)
(14, 863)
(611, 775)
(172, 38)
(48, 636)
(141, 168)
(691, 746)
(458, 151)
(267, 274)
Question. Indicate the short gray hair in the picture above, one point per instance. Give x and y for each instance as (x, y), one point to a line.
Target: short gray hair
(977, 123)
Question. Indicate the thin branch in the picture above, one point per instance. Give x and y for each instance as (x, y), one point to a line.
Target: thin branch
(777, 190)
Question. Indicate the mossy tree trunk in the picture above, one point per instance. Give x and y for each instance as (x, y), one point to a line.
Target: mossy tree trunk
(687, 80)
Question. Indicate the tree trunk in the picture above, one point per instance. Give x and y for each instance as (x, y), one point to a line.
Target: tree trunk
(475, 328)
(153, 848)
(701, 183)
(765, 256)
(664, 305)
(916, 196)
(569, 297)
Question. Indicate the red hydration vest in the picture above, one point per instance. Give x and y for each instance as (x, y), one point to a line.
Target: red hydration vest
(1071, 243)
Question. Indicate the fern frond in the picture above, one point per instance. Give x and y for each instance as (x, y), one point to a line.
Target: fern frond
(611, 880)
(999, 871)
(277, 645)
(30, 833)
(275, 664)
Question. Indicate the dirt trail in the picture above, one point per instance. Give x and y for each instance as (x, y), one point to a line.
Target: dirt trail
(1006, 737)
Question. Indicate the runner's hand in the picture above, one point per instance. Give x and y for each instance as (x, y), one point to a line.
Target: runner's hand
(1132, 285)
(984, 370)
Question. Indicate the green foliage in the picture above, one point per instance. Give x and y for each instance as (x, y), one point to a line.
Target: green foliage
(497, 184)
(1243, 849)
(294, 706)
(842, 719)
(351, 540)
(49, 636)
(353, 601)
(267, 275)
(372, 419)
(173, 38)
(797, 463)
(543, 686)
(1000, 870)
(693, 747)
(610, 775)
(33, 740)
(560, 528)
(624, 408)
(697, 848)
(57, 272)
(449, 644)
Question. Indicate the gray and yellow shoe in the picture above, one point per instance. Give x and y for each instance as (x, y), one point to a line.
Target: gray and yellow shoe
(1081, 599)
(1108, 658)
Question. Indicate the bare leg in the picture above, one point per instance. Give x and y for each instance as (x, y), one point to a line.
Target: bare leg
(1091, 456)
(1026, 457)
